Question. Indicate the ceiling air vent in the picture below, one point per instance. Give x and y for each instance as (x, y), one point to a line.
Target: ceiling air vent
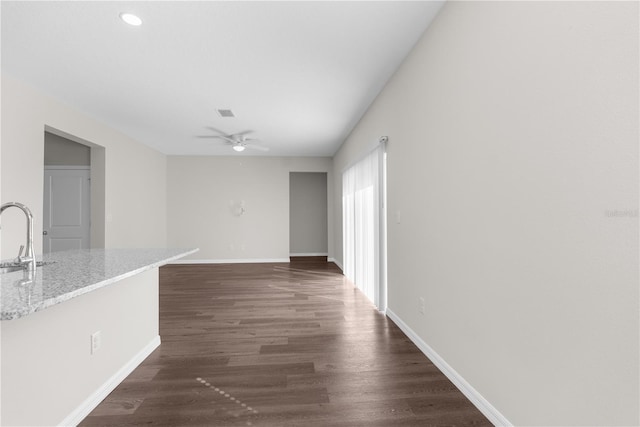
(226, 113)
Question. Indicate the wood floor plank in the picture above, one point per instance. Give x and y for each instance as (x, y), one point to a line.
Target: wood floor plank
(281, 344)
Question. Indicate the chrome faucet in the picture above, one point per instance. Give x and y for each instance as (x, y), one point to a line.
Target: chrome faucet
(29, 258)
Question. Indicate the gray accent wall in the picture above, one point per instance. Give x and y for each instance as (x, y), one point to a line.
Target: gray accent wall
(308, 213)
(60, 151)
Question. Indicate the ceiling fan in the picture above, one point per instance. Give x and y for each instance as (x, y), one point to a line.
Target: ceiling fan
(238, 141)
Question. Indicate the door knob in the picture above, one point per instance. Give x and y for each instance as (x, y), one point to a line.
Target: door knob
(45, 232)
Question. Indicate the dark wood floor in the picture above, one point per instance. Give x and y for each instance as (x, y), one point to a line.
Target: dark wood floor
(279, 345)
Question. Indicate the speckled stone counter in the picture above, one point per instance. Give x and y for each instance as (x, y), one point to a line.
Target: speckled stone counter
(69, 274)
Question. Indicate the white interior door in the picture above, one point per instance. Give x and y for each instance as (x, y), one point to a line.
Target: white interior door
(66, 213)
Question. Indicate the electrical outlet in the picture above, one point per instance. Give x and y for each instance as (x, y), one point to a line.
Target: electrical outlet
(421, 309)
(96, 341)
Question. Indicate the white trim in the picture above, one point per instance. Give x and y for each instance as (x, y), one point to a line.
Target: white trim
(63, 167)
(230, 261)
(483, 405)
(91, 402)
(311, 254)
(336, 262)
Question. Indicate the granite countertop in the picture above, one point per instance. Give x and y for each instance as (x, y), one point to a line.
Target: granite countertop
(69, 274)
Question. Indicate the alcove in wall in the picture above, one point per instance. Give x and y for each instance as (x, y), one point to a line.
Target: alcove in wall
(308, 213)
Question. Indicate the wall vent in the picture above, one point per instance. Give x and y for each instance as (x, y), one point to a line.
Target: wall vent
(226, 113)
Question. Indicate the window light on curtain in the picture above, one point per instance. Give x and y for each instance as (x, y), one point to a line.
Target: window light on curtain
(363, 225)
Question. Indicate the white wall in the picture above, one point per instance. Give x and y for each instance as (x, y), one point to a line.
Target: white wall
(135, 175)
(204, 191)
(48, 370)
(134, 204)
(1, 138)
(513, 140)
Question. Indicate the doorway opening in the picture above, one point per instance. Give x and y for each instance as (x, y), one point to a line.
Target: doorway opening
(308, 215)
(73, 196)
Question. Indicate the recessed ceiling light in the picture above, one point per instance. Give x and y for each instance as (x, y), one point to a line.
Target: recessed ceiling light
(131, 19)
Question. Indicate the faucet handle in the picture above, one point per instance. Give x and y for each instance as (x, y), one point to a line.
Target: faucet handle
(20, 253)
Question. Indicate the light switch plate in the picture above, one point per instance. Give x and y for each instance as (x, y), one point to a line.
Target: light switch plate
(96, 341)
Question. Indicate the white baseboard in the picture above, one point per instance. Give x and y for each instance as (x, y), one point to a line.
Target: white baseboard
(483, 405)
(229, 261)
(333, 260)
(91, 402)
(310, 254)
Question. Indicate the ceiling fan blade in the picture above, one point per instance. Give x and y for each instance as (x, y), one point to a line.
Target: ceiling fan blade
(257, 147)
(216, 130)
(238, 138)
(222, 137)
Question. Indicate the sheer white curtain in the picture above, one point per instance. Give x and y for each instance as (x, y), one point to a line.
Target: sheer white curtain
(363, 226)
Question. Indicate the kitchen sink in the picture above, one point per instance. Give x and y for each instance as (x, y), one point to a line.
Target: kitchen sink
(11, 266)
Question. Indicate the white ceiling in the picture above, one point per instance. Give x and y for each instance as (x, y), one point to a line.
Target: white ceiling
(299, 74)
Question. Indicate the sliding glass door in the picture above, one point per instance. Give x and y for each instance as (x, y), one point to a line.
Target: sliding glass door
(363, 219)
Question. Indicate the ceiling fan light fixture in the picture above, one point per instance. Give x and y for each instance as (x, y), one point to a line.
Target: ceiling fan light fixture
(131, 19)
(239, 147)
